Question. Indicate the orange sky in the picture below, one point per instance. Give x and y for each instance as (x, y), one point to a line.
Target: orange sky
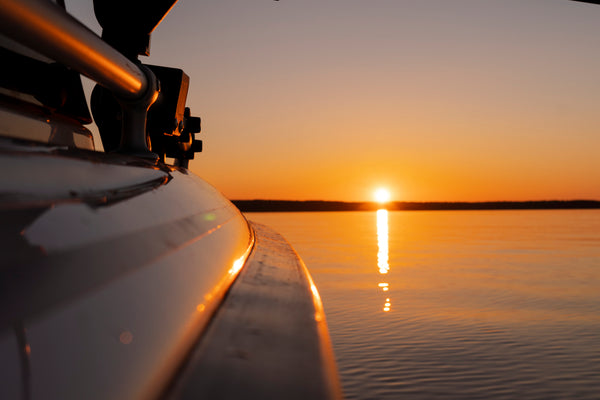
(463, 100)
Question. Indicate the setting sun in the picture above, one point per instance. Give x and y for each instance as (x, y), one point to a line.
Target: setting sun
(382, 195)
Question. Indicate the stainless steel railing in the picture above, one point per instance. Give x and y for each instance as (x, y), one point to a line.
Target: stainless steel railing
(46, 28)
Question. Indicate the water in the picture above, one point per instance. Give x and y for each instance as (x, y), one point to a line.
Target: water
(457, 304)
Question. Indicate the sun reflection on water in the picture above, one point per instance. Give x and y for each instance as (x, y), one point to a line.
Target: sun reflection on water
(383, 253)
(382, 242)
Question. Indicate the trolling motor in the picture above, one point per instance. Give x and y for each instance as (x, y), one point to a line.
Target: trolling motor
(164, 126)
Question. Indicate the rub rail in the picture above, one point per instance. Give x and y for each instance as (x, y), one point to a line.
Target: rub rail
(46, 28)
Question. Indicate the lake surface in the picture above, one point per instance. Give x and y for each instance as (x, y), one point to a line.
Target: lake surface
(457, 304)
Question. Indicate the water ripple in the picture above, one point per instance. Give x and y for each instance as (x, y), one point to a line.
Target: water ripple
(484, 305)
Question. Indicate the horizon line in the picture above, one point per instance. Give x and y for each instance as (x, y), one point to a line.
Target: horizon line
(329, 205)
(422, 201)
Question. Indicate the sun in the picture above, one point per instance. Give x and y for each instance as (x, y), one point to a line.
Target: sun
(382, 195)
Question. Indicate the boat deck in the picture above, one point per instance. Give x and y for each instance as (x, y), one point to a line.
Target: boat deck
(269, 339)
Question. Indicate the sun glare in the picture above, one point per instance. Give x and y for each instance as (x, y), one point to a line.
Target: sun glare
(382, 195)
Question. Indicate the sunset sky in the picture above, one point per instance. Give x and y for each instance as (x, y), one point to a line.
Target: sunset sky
(437, 100)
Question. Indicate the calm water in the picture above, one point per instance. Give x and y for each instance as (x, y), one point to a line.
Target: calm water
(457, 304)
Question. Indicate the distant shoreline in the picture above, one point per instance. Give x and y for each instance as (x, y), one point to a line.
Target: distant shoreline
(318, 205)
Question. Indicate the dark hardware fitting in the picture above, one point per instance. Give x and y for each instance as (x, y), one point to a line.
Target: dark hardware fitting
(169, 129)
(134, 115)
(170, 125)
